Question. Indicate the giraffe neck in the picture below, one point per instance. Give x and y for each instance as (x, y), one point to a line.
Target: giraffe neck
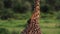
(33, 25)
(36, 10)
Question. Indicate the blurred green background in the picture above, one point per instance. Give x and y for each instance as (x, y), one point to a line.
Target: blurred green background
(14, 15)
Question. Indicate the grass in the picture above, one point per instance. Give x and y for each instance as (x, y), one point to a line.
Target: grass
(16, 26)
(51, 30)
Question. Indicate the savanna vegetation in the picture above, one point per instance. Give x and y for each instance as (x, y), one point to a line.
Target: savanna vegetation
(15, 13)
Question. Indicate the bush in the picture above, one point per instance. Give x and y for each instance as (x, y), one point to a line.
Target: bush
(6, 13)
(3, 31)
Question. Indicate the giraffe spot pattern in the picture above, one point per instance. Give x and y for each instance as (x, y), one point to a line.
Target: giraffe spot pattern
(33, 25)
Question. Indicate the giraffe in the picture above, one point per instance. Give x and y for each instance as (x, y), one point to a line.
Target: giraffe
(33, 25)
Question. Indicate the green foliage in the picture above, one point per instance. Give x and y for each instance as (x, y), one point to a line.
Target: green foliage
(15, 32)
(1, 4)
(6, 13)
(18, 9)
(3, 31)
(57, 15)
(15, 13)
(17, 26)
